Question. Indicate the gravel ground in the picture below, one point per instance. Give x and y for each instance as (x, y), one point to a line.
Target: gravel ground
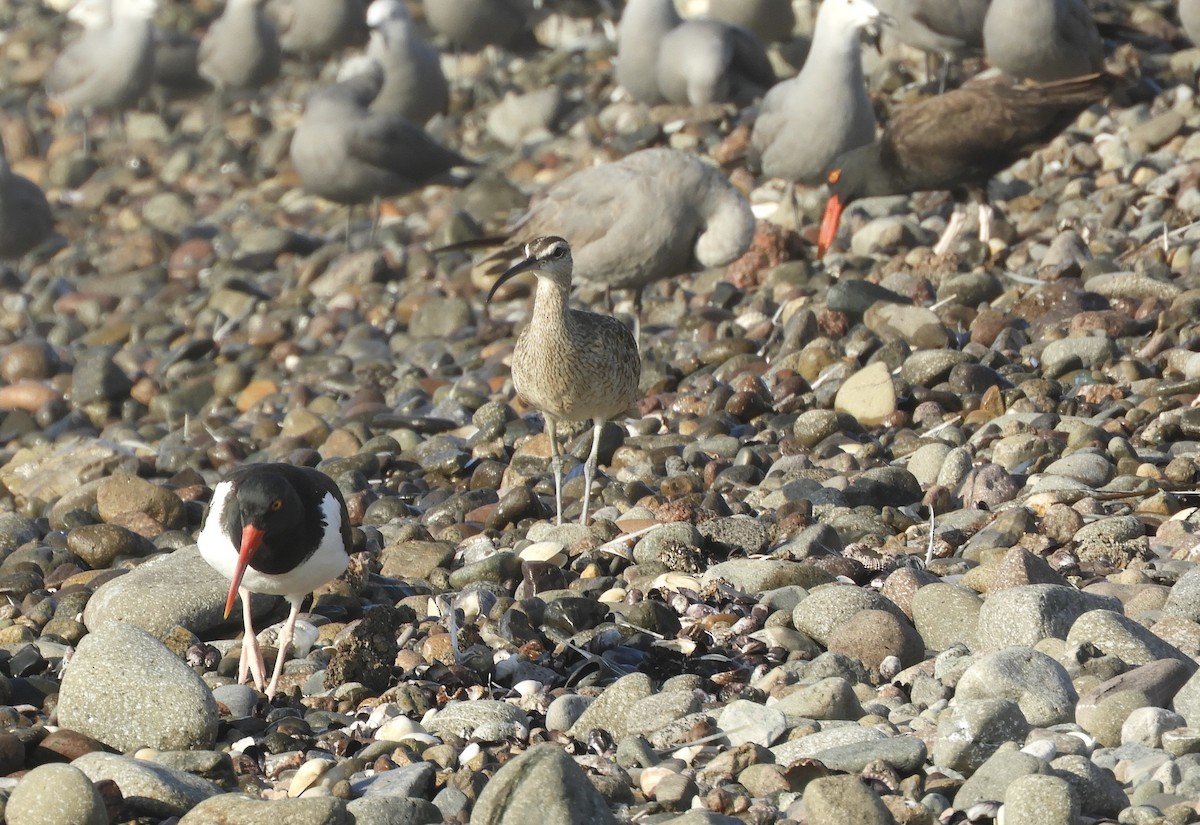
(893, 538)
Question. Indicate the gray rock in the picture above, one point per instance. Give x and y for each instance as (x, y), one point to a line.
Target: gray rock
(1146, 726)
(660, 710)
(1184, 600)
(743, 721)
(1026, 614)
(827, 608)
(837, 800)
(611, 709)
(125, 688)
(735, 534)
(973, 731)
(1098, 791)
(177, 588)
(393, 811)
(405, 781)
(830, 698)
(1117, 635)
(1039, 685)
(248, 810)
(1092, 469)
(240, 699)
(484, 719)
(904, 753)
(1071, 353)
(809, 746)
(753, 576)
(149, 788)
(1046, 800)
(1000, 770)
(542, 785)
(565, 711)
(946, 614)
(661, 543)
(55, 795)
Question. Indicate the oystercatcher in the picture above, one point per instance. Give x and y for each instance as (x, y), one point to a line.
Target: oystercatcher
(274, 528)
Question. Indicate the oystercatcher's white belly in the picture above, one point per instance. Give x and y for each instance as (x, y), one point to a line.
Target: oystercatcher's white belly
(325, 564)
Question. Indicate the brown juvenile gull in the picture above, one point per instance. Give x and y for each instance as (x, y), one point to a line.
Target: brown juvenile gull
(652, 215)
(1043, 40)
(414, 85)
(25, 217)
(475, 24)
(319, 28)
(570, 364)
(662, 57)
(949, 29)
(111, 65)
(347, 153)
(809, 120)
(241, 48)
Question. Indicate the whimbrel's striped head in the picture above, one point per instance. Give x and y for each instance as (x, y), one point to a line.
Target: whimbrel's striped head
(547, 257)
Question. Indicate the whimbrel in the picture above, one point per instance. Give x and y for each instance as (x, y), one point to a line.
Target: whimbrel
(571, 364)
(809, 120)
(1042, 40)
(111, 64)
(652, 215)
(241, 48)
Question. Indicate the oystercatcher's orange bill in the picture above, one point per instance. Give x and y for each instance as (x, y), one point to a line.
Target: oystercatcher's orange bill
(252, 539)
(829, 224)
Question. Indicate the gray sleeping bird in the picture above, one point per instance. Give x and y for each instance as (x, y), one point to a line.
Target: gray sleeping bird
(347, 153)
(661, 57)
(319, 28)
(475, 24)
(25, 217)
(807, 121)
(241, 48)
(111, 65)
(1043, 40)
(414, 85)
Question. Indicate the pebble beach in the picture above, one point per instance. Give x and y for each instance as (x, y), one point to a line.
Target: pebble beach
(890, 537)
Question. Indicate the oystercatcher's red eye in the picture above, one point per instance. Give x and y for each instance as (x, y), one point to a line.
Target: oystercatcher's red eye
(834, 176)
(276, 505)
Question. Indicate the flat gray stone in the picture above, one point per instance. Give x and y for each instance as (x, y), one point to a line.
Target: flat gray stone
(125, 688)
(1098, 791)
(177, 588)
(838, 800)
(828, 607)
(973, 731)
(1000, 770)
(151, 789)
(248, 810)
(487, 720)
(1118, 635)
(610, 711)
(830, 698)
(393, 811)
(1026, 614)
(946, 614)
(743, 721)
(542, 785)
(809, 746)
(1046, 800)
(55, 795)
(904, 753)
(1039, 685)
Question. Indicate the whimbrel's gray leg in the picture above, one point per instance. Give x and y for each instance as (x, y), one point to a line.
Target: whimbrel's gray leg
(556, 463)
(589, 469)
